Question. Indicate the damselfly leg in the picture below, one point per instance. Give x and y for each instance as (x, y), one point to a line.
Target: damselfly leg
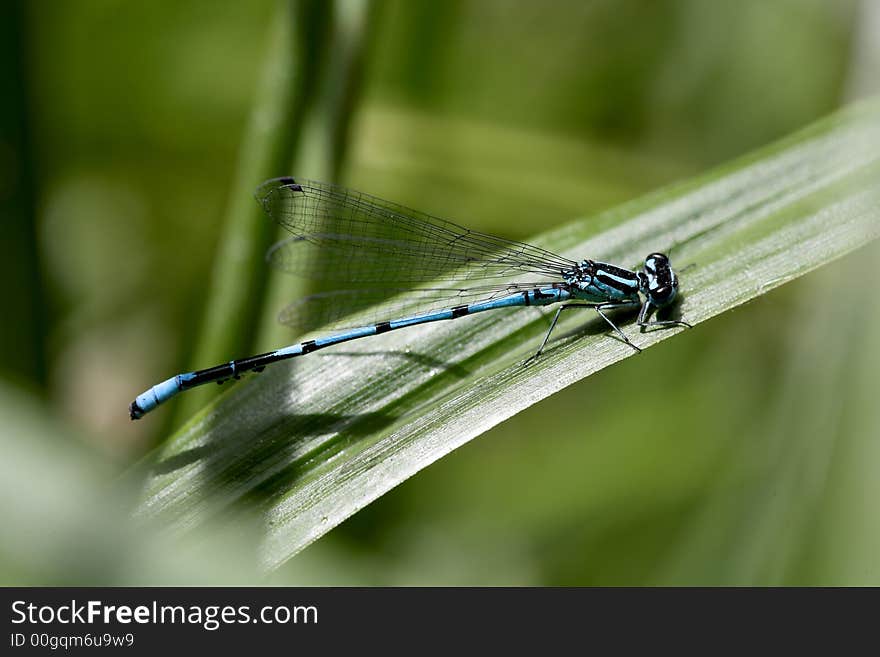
(594, 306)
(644, 323)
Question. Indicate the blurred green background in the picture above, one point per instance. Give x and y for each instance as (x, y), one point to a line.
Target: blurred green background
(743, 452)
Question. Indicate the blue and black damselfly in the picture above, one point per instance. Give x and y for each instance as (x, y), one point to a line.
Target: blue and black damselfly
(389, 250)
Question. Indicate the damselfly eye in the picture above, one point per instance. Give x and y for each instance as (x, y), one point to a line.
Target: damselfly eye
(655, 264)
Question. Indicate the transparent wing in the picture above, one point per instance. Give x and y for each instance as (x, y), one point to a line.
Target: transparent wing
(364, 239)
(340, 309)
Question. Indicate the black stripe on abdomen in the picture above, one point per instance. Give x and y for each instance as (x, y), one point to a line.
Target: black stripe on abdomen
(216, 373)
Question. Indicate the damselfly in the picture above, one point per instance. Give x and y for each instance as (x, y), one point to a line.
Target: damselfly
(365, 241)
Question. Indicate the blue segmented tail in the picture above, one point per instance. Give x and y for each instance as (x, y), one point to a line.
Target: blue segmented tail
(162, 392)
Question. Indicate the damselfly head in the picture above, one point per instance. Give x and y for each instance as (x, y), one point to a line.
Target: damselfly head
(659, 282)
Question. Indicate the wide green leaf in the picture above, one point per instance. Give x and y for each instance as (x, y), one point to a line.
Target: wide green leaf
(308, 443)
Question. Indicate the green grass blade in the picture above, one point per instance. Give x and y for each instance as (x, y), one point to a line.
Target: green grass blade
(273, 132)
(308, 444)
(325, 142)
(22, 349)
